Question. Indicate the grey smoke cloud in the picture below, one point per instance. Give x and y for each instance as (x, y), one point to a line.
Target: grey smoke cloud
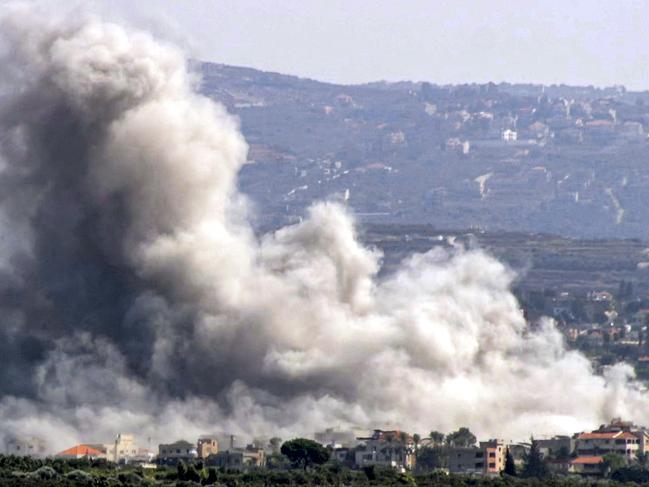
(135, 296)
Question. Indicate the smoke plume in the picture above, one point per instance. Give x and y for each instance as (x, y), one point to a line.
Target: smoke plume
(135, 297)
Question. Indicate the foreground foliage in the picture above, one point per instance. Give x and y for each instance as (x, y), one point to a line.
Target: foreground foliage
(20, 471)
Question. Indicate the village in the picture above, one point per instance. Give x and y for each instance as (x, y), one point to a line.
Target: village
(618, 444)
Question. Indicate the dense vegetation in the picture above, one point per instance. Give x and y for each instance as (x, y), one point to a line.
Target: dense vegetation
(21, 471)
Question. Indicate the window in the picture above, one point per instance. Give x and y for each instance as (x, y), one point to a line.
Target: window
(479, 465)
(492, 454)
(477, 455)
(492, 465)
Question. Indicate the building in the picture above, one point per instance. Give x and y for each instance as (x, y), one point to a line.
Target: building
(591, 466)
(26, 446)
(207, 446)
(495, 453)
(174, 452)
(466, 460)
(343, 455)
(455, 144)
(509, 135)
(557, 446)
(238, 459)
(81, 451)
(519, 452)
(600, 443)
(386, 448)
(486, 459)
(121, 449)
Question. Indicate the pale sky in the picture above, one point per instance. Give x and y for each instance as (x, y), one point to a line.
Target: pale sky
(599, 42)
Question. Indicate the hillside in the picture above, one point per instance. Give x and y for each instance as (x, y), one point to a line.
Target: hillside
(420, 153)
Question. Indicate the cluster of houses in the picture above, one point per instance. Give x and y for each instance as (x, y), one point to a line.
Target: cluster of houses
(580, 454)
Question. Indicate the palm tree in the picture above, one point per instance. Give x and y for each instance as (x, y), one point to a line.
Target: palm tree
(416, 438)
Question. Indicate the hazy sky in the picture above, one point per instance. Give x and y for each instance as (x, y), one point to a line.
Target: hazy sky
(600, 42)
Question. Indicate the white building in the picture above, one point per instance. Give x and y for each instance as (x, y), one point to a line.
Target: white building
(509, 135)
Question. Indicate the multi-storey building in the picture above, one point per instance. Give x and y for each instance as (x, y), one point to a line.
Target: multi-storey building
(26, 446)
(600, 443)
(207, 446)
(174, 452)
(487, 459)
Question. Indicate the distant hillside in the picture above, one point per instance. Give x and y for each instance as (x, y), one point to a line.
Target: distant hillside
(575, 163)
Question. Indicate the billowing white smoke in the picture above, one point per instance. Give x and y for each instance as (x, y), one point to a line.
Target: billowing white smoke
(104, 133)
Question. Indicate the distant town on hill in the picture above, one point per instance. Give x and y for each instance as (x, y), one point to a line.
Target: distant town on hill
(554, 159)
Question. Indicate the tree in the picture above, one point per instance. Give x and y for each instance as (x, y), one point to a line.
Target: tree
(642, 459)
(462, 438)
(563, 454)
(510, 466)
(612, 462)
(277, 461)
(416, 438)
(535, 465)
(436, 437)
(181, 471)
(432, 457)
(303, 452)
(212, 477)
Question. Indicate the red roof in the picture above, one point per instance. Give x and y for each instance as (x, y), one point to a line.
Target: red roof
(587, 460)
(618, 435)
(79, 450)
(598, 436)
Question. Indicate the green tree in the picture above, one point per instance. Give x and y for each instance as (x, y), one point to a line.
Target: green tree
(181, 471)
(212, 477)
(192, 474)
(436, 437)
(304, 452)
(535, 465)
(510, 466)
(432, 457)
(563, 454)
(462, 438)
(277, 461)
(612, 462)
(642, 459)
